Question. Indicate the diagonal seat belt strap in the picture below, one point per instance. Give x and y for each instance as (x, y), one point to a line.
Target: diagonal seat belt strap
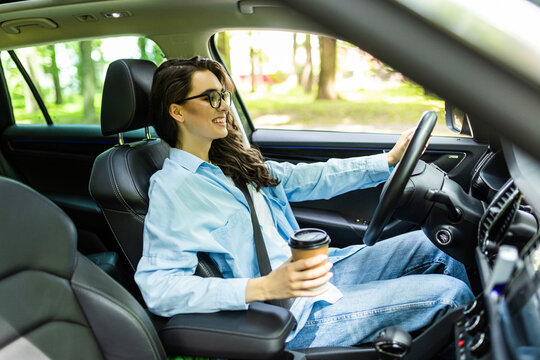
(262, 255)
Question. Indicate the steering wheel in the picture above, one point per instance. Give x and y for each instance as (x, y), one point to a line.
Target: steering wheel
(393, 189)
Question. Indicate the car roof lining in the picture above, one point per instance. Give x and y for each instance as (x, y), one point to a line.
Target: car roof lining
(153, 19)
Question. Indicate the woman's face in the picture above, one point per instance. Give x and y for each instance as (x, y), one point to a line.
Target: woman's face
(199, 123)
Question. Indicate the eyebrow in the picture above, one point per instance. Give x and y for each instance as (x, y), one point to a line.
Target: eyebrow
(211, 89)
(222, 88)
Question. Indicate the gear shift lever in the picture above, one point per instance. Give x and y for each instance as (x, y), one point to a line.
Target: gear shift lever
(392, 342)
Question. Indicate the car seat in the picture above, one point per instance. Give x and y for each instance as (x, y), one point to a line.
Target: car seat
(54, 302)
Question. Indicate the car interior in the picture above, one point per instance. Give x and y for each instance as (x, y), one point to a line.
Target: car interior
(74, 197)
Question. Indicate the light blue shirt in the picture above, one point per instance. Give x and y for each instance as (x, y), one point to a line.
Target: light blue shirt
(193, 207)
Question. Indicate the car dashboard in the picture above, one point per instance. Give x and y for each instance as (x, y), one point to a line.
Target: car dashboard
(504, 320)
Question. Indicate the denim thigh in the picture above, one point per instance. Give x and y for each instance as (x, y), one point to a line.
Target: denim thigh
(411, 302)
(406, 254)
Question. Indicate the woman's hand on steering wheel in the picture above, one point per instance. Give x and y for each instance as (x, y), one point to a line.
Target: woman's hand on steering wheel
(395, 155)
(393, 189)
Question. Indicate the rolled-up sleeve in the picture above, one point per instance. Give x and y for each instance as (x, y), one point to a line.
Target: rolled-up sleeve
(324, 180)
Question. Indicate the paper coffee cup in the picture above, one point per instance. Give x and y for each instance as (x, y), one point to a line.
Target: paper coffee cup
(309, 242)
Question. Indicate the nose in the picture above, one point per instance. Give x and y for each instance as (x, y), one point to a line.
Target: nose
(224, 106)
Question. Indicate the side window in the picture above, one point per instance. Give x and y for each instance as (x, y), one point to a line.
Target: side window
(69, 77)
(308, 82)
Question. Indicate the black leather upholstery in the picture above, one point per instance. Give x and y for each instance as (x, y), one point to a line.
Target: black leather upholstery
(55, 303)
(119, 184)
(258, 333)
(124, 105)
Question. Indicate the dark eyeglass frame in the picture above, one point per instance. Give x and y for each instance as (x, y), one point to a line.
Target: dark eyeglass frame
(208, 94)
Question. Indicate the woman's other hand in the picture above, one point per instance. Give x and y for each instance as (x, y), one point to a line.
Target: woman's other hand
(292, 279)
(395, 155)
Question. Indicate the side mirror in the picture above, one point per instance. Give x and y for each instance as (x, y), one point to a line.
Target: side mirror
(456, 120)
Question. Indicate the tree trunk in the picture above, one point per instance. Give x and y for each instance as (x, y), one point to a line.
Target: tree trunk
(296, 70)
(55, 73)
(30, 58)
(224, 48)
(307, 73)
(88, 82)
(141, 43)
(252, 57)
(327, 88)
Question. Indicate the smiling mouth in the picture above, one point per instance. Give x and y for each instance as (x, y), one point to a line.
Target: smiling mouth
(219, 121)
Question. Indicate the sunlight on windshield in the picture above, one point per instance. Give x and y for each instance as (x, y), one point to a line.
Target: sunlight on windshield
(506, 30)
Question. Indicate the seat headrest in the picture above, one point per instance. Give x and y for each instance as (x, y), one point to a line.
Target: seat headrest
(36, 234)
(124, 105)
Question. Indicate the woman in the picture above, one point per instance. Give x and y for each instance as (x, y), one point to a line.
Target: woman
(195, 207)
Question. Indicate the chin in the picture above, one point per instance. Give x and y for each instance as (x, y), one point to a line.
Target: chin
(222, 135)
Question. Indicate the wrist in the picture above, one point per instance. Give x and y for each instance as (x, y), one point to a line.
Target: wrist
(391, 160)
(255, 290)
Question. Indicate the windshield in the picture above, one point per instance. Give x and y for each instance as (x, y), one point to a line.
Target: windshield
(504, 30)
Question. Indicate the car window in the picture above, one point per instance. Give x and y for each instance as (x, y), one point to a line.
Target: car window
(308, 82)
(69, 77)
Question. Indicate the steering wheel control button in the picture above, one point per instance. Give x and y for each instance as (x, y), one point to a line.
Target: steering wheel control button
(444, 237)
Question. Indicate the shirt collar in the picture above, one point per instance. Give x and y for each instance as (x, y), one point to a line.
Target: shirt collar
(186, 160)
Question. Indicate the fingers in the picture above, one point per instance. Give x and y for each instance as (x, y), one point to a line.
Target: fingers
(304, 277)
(307, 275)
(408, 134)
(304, 264)
(310, 274)
(310, 285)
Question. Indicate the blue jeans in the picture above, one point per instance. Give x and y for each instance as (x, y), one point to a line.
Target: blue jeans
(405, 281)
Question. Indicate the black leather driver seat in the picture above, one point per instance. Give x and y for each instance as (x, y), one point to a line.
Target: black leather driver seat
(120, 177)
(54, 302)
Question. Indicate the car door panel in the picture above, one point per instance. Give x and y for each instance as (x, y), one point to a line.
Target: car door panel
(57, 160)
(346, 217)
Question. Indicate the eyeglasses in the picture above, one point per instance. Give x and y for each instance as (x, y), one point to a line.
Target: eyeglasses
(214, 98)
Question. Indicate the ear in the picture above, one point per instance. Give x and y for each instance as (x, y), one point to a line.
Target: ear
(175, 111)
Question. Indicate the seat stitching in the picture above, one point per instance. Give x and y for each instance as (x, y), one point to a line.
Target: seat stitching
(30, 270)
(141, 196)
(20, 334)
(116, 190)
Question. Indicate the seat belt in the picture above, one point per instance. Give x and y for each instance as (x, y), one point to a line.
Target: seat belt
(262, 255)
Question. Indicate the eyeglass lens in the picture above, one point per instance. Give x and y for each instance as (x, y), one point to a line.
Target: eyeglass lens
(215, 98)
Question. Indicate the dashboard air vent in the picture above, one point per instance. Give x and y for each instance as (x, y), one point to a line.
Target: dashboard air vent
(498, 217)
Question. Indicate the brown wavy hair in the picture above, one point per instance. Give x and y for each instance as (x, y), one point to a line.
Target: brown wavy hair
(171, 84)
